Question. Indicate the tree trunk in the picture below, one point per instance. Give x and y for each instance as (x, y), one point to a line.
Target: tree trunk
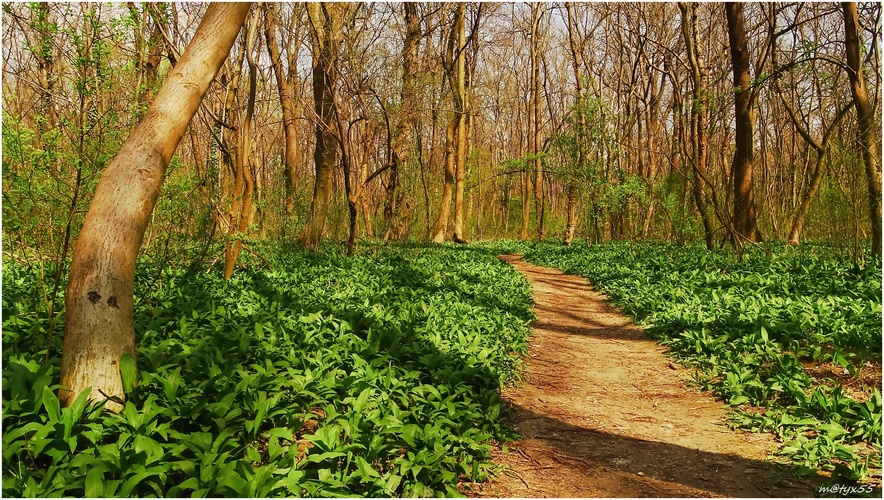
(526, 203)
(699, 118)
(241, 204)
(816, 178)
(287, 101)
(99, 327)
(460, 99)
(45, 71)
(454, 68)
(448, 186)
(745, 224)
(571, 223)
(326, 21)
(534, 113)
(407, 129)
(865, 116)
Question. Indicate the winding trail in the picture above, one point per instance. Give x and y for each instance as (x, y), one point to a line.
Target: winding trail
(604, 413)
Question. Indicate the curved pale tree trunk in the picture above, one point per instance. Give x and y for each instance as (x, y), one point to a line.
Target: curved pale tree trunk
(448, 186)
(99, 328)
(821, 147)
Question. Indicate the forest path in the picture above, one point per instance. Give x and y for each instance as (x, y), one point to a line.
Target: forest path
(604, 413)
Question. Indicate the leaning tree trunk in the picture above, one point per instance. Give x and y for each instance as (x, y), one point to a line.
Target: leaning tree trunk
(821, 147)
(745, 225)
(99, 327)
(865, 115)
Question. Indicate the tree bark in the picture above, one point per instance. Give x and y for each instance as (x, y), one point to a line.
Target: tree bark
(699, 118)
(45, 70)
(326, 21)
(571, 223)
(821, 147)
(460, 100)
(99, 327)
(287, 102)
(534, 114)
(407, 129)
(865, 116)
(527, 189)
(745, 224)
(448, 186)
(241, 204)
(453, 63)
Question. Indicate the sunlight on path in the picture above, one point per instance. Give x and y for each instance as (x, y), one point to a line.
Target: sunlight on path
(604, 413)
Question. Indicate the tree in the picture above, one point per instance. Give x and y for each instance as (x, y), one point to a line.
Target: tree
(244, 183)
(403, 143)
(699, 117)
(534, 120)
(821, 147)
(865, 117)
(460, 94)
(326, 23)
(571, 224)
(455, 132)
(287, 101)
(99, 327)
(745, 225)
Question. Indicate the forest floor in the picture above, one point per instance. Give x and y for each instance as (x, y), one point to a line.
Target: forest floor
(604, 413)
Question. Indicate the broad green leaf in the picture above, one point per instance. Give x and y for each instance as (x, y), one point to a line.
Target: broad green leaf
(52, 405)
(95, 483)
(128, 372)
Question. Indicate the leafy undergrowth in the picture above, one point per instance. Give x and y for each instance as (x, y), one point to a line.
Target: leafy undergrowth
(752, 329)
(376, 375)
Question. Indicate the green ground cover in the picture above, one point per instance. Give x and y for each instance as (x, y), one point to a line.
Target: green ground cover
(324, 376)
(750, 327)
(379, 375)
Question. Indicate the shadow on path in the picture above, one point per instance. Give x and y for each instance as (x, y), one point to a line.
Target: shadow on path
(603, 413)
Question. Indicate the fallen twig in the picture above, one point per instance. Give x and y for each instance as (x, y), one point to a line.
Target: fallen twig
(513, 473)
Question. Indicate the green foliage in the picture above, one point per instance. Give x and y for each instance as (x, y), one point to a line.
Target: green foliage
(326, 376)
(747, 326)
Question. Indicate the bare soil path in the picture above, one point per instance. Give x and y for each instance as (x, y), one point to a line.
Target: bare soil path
(604, 413)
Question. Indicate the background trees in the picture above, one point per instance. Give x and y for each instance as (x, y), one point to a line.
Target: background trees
(619, 118)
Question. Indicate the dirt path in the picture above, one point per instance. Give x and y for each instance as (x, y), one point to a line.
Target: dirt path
(604, 413)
